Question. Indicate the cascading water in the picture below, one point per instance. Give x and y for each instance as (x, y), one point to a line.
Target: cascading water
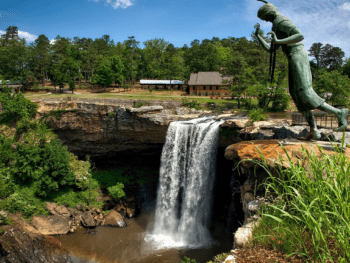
(187, 176)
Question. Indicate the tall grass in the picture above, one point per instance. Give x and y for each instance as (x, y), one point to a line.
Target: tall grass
(309, 214)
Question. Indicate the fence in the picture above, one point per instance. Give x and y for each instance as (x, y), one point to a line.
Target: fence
(322, 121)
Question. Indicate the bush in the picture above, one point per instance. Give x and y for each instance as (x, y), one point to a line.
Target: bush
(150, 90)
(199, 93)
(4, 219)
(206, 93)
(15, 107)
(257, 115)
(46, 166)
(116, 191)
(190, 104)
(24, 200)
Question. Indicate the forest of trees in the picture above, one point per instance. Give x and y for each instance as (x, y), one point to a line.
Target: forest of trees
(103, 62)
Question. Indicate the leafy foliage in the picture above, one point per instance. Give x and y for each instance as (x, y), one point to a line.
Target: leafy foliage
(257, 115)
(116, 191)
(15, 107)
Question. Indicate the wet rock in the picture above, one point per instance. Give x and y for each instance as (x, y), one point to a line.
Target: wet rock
(254, 206)
(18, 246)
(77, 219)
(87, 219)
(114, 219)
(130, 212)
(51, 225)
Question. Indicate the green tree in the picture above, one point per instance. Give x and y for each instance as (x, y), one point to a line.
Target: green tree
(132, 45)
(104, 74)
(334, 87)
(40, 57)
(346, 68)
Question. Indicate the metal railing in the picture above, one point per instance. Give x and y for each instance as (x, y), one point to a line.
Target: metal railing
(322, 120)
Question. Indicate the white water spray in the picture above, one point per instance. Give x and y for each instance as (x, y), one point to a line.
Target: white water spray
(187, 176)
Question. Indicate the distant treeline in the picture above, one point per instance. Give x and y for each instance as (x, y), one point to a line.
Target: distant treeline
(102, 61)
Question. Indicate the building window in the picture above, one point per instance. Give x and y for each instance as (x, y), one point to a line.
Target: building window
(217, 87)
(211, 87)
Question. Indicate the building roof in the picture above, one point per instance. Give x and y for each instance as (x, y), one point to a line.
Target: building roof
(160, 82)
(207, 78)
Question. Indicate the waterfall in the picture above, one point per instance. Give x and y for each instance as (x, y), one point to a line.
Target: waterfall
(187, 176)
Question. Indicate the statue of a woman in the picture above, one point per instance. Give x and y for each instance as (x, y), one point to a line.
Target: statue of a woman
(288, 36)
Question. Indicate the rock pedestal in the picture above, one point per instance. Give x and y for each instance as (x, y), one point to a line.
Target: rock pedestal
(274, 152)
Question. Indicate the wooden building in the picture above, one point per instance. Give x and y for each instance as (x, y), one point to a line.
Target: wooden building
(208, 81)
(165, 84)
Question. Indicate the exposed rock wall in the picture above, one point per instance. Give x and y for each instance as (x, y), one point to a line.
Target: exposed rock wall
(101, 127)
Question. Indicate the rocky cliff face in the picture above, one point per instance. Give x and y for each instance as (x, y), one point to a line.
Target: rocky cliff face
(105, 127)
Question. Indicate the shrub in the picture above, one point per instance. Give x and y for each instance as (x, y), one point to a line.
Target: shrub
(199, 93)
(212, 93)
(190, 104)
(4, 219)
(150, 90)
(46, 166)
(15, 107)
(206, 93)
(24, 200)
(116, 191)
(257, 115)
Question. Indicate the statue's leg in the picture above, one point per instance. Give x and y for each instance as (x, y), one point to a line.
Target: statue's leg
(341, 115)
(314, 132)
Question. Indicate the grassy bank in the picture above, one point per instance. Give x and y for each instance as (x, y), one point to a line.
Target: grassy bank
(310, 214)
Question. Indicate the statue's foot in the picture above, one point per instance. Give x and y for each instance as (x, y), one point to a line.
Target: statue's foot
(313, 135)
(343, 119)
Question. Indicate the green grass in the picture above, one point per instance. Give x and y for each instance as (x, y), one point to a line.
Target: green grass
(310, 214)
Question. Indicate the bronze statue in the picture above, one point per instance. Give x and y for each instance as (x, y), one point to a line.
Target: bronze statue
(289, 37)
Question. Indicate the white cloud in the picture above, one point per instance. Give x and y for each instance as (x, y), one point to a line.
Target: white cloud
(117, 3)
(323, 21)
(27, 36)
(22, 34)
(52, 41)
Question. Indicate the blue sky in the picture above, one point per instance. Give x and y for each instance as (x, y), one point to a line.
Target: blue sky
(177, 21)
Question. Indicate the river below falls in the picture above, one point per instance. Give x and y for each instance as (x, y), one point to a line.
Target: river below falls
(128, 245)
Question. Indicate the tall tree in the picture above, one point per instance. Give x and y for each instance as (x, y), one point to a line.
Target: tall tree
(132, 44)
(41, 57)
(316, 51)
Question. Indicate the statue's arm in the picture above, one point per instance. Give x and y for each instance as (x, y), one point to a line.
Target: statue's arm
(263, 43)
(296, 36)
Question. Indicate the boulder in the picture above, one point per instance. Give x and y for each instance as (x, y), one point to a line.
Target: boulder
(57, 210)
(130, 212)
(79, 207)
(51, 207)
(254, 206)
(114, 219)
(147, 109)
(244, 234)
(63, 211)
(18, 246)
(51, 225)
(87, 219)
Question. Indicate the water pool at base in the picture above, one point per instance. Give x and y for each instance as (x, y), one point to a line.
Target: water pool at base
(129, 245)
